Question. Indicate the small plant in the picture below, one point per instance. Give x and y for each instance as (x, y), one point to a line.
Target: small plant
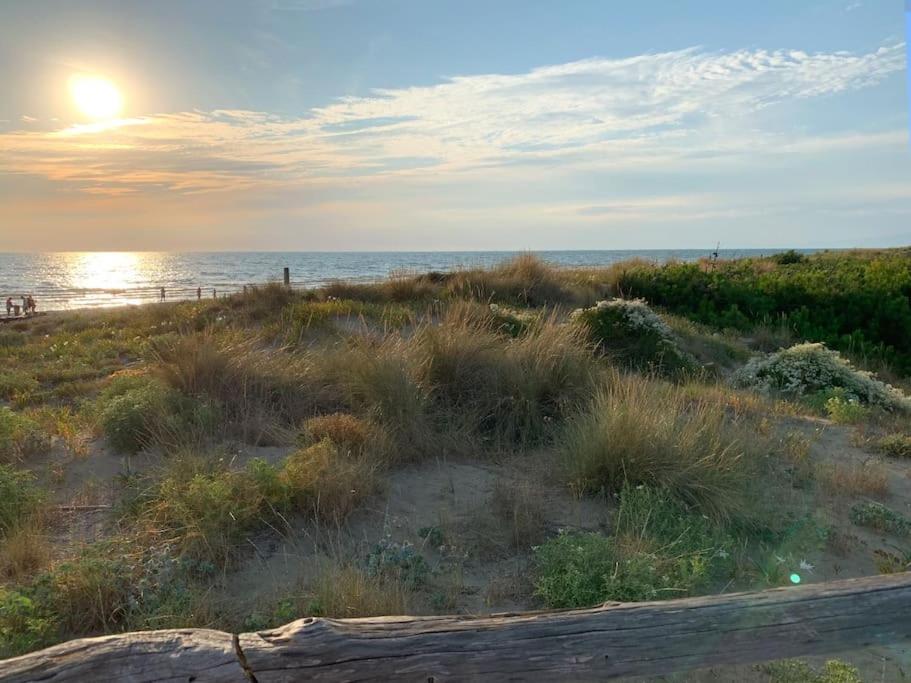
(632, 332)
(881, 518)
(896, 445)
(846, 410)
(400, 562)
(432, 535)
(345, 591)
(797, 671)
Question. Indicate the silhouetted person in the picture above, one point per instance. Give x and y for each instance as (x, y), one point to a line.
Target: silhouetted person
(9, 306)
(162, 293)
(199, 293)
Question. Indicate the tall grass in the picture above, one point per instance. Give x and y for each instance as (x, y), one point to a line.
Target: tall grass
(639, 431)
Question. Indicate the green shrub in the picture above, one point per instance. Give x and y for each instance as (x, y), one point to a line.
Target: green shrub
(19, 497)
(843, 408)
(661, 549)
(896, 445)
(856, 302)
(640, 431)
(788, 258)
(881, 518)
(129, 419)
(797, 671)
(628, 330)
(24, 624)
(807, 369)
(397, 562)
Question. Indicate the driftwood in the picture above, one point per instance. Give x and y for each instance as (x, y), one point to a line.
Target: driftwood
(594, 644)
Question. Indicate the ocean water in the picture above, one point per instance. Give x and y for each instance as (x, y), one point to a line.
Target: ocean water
(92, 279)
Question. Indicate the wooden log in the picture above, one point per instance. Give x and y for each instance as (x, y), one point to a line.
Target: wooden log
(603, 643)
(144, 656)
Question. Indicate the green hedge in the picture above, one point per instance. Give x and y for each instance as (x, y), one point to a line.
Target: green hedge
(859, 302)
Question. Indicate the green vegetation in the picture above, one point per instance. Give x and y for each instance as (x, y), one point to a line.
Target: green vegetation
(660, 550)
(796, 671)
(878, 516)
(281, 424)
(856, 302)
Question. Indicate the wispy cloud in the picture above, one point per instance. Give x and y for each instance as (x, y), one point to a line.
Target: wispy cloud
(647, 110)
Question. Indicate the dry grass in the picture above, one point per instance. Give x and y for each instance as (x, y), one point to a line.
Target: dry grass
(854, 479)
(24, 551)
(347, 592)
(520, 507)
(640, 431)
(328, 482)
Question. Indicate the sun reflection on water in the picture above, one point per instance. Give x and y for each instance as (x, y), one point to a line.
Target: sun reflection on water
(111, 271)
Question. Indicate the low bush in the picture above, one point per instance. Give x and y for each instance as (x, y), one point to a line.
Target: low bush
(326, 481)
(639, 431)
(797, 671)
(881, 518)
(24, 624)
(352, 434)
(399, 563)
(19, 498)
(632, 333)
(896, 445)
(807, 369)
(660, 550)
(20, 436)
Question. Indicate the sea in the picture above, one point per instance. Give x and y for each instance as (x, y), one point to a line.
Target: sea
(70, 280)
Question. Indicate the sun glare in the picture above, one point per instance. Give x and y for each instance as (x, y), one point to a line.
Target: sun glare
(96, 97)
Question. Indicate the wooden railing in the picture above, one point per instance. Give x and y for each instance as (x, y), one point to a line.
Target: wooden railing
(593, 644)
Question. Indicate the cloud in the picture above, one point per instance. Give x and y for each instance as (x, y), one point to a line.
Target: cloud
(652, 110)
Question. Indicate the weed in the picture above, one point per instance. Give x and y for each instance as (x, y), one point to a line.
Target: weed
(881, 518)
(896, 445)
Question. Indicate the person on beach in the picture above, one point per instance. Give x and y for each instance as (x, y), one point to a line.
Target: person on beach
(32, 305)
(162, 293)
(24, 305)
(9, 306)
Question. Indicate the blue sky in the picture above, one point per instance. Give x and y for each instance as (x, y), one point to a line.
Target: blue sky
(392, 124)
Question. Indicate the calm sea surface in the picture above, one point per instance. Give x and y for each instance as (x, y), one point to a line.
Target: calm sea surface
(91, 279)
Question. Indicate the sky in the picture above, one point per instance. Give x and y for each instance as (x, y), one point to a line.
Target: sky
(455, 125)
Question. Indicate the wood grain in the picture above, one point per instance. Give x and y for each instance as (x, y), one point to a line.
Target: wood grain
(593, 644)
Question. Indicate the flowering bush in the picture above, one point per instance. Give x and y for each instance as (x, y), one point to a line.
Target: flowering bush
(807, 369)
(633, 332)
(511, 321)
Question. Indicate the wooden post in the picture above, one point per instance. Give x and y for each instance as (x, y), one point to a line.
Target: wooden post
(287, 276)
(602, 643)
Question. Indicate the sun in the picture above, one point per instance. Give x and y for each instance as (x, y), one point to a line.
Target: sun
(96, 97)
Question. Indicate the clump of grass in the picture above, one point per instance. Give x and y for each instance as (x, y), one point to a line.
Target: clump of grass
(638, 431)
(328, 482)
(856, 479)
(524, 280)
(259, 389)
(344, 591)
(24, 550)
(351, 434)
(881, 518)
(634, 335)
(20, 436)
(661, 550)
(511, 392)
(896, 445)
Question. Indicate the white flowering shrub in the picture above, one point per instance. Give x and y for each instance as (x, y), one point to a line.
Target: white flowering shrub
(808, 369)
(631, 331)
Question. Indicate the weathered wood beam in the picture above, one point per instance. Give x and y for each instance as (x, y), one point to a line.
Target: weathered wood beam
(594, 644)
